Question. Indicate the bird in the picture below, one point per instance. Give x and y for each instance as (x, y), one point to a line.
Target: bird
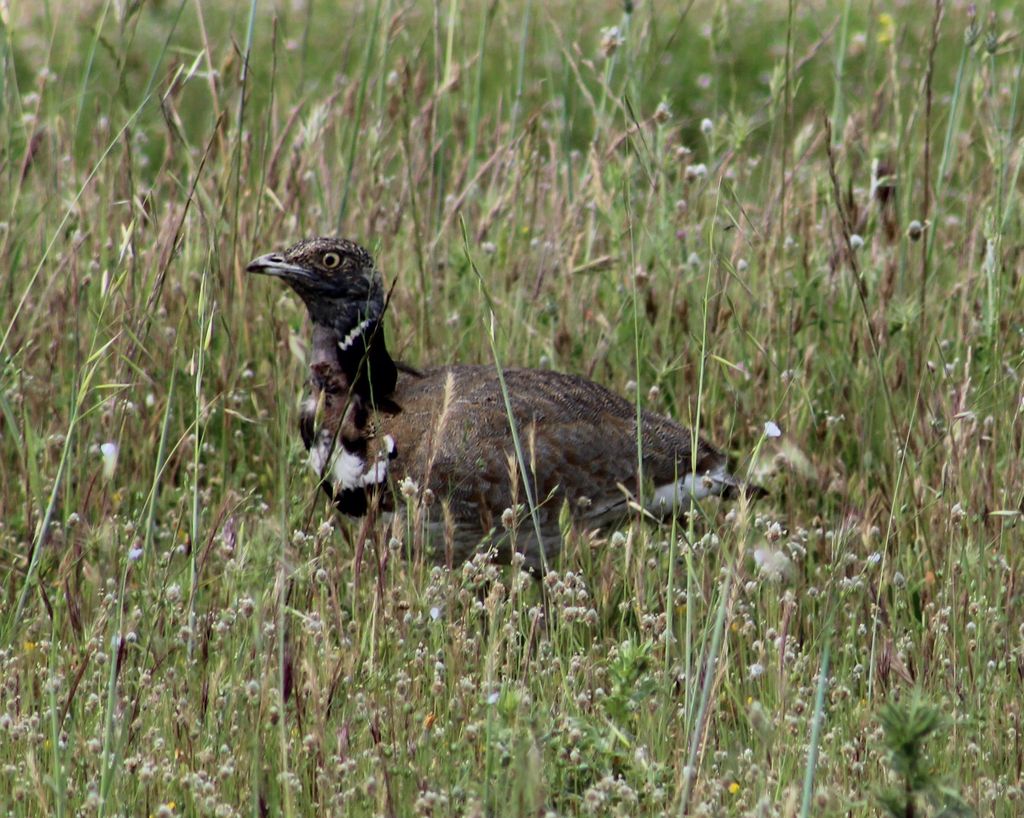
(378, 431)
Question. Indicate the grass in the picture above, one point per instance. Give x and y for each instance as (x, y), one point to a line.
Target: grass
(648, 195)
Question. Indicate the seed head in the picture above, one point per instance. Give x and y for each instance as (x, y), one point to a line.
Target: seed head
(611, 39)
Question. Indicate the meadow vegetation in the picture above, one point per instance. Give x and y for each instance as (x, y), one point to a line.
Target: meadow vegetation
(755, 217)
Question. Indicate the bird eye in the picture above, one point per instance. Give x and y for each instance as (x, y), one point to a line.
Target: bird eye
(331, 260)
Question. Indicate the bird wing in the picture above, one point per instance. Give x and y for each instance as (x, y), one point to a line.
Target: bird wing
(578, 439)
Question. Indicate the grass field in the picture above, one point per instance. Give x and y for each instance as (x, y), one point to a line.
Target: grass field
(735, 213)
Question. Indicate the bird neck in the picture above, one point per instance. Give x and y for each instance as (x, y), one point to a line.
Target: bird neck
(359, 349)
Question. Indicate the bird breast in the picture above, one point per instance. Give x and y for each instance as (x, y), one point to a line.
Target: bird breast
(343, 453)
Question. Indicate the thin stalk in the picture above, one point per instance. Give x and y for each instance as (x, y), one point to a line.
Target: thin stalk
(1009, 189)
(242, 97)
(694, 436)
(159, 465)
(163, 51)
(520, 459)
(787, 126)
(952, 128)
(87, 70)
(58, 233)
(690, 771)
(43, 530)
(520, 68)
(489, 760)
(609, 71)
(357, 118)
(282, 661)
(819, 717)
(205, 311)
(926, 246)
(380, 98)
(285, 425)
(107, 760)
(996, 223)
(474, 111)
(858, 280)
(268, 129)
(637, 400)
(58, 771)
(838, 98)
(889, 536)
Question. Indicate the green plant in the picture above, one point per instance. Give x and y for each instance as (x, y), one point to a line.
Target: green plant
(910, 725)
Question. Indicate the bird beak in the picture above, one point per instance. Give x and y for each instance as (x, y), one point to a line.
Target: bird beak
(273, 264)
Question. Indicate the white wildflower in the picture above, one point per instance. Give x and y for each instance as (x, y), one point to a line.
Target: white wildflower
(109, 453)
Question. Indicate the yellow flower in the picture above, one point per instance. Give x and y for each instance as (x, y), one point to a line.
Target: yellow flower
(886, 28)
(734, 787)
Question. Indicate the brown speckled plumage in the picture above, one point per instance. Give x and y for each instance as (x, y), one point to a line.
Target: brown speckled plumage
(369, 425)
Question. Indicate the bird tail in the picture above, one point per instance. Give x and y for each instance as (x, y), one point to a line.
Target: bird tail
(734, 488)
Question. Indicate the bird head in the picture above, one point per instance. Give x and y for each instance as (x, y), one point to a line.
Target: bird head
(336, 278)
